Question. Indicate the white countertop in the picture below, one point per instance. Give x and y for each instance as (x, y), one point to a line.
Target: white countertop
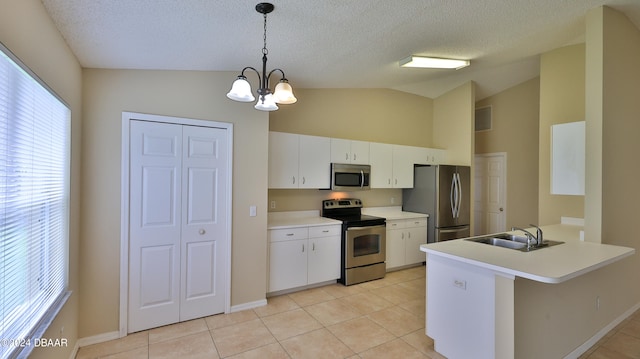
(549, 265)
(282, 220)
(392, 213)
(292, 219)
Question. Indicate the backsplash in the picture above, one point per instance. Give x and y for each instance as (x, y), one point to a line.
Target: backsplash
(311, 199)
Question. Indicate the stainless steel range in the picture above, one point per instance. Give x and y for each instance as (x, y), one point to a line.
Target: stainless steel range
(363, 240)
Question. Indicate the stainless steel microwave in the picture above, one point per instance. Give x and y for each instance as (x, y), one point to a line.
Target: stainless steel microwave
(348, 177)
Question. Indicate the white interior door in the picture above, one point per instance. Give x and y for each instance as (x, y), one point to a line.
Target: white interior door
(204, 221)
(154, 225)
(490, 176)
(178, 225)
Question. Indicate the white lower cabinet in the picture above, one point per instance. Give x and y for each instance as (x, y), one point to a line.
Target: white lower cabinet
(404, 238)
(303, 255)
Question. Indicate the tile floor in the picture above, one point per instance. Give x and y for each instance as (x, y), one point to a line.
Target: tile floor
(623, 342)
(378, 319)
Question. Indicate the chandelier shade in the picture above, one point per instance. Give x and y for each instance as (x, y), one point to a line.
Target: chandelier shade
(241, 89)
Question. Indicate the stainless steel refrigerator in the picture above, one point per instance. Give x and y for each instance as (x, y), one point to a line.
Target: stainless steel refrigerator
(442, 192)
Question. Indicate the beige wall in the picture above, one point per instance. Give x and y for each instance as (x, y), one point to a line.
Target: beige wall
(620, 145)
(562, 99)
(199, 95)
(376, 115)
(515, 115)
(565, 315)
(27, 30)
(453, 124)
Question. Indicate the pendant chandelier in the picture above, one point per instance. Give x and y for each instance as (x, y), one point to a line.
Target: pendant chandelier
(267, 101)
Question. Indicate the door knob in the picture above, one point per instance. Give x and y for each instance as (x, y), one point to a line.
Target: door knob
(202, 231)
(501, 209)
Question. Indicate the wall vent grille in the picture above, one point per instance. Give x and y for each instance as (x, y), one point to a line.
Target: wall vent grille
(483, 119)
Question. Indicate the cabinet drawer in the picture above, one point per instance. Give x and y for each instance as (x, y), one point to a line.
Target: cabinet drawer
(395, 224)
(416, 222)
(288, 234)
(324, 231)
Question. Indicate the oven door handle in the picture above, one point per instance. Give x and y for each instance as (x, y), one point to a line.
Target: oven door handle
(365, 228)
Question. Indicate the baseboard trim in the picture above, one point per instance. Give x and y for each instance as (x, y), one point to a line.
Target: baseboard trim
(100, 338)
(250, 305)
(601, 333)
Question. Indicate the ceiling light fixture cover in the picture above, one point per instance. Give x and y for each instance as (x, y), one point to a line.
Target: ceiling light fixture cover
(267, 101)
(433, 62)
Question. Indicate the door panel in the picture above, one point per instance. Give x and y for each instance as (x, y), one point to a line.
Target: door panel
(491, 211)
(204, 222)
(154, 242)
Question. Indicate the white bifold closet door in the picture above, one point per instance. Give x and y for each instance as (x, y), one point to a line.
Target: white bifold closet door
(178, 225)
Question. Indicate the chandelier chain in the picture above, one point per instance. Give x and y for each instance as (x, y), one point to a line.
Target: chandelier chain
(264, 48)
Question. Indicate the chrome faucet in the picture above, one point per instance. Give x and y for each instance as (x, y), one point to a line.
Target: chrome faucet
(532, 240)
(539, 236)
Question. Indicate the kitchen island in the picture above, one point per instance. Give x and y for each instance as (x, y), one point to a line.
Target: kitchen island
(471, 291)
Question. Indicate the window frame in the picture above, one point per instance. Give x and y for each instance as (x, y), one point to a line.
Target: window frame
(22, 347)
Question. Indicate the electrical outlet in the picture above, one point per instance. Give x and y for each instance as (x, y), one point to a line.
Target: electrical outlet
(393, 200)
(273, 204)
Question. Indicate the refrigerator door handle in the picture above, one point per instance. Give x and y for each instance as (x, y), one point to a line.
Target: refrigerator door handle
(459, 188)
(452, 199)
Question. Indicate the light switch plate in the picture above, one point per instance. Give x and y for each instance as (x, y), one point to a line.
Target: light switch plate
(252, 211)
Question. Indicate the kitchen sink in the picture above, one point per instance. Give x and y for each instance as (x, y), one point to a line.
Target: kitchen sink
(512, 241)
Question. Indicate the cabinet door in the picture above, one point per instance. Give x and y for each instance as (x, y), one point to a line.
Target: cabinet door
(314, 162)
(360, 152)
(340, 150)
(416, 235)
(283, 160)
(324, 259)
(395, 244)
(381, 159)
(287, 264)
(403, 158)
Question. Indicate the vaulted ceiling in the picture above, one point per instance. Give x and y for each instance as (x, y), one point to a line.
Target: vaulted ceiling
(331, 43)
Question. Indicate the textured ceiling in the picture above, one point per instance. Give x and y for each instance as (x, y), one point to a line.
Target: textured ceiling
(331, 43)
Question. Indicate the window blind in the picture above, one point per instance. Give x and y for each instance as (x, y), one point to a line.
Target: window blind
(34, 206)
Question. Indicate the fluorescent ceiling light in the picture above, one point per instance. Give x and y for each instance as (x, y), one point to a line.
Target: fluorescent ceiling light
(433, 63)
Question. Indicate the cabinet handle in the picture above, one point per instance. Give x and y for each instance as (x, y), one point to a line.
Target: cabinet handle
(346, 156)
(202, 231)
(325, 231)
(304, 180)
(409, 235)
(396, 181)
(313, 246)
(289, 234)
(354, 156)
(416, 222)
(293, 178)
(303, 248)
(389, 181)
(402, 236)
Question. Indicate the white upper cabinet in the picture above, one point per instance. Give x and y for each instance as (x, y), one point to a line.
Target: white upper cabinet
(403, 160)
(283, 160)
(299, 161)
(381, 158)
(315, 162)
(348, 151)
